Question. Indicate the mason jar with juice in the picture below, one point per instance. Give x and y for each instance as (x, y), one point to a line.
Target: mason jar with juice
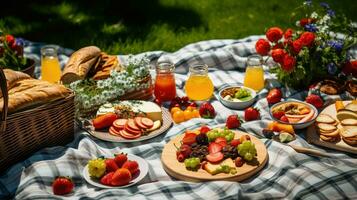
(199, 86)
(165, 87)
(254, 73)
(50, 66)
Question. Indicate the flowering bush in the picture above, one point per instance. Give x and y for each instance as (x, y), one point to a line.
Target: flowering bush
(316, 48)
(90, 94)
(11, 52)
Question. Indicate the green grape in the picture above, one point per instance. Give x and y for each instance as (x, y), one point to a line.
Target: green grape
(247, 150)
(192, 163)
(229, 137)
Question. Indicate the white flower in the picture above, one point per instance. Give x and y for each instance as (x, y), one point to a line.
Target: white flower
(314, 15)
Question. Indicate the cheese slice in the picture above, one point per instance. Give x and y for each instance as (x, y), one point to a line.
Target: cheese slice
(143, 108)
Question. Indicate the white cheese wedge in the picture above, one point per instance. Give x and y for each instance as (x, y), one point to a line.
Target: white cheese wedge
(146, 108)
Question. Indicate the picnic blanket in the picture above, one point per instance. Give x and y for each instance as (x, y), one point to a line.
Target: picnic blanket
(287, 175)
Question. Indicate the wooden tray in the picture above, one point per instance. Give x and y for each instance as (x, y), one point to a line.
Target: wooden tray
(179, 171)
(104, 135)
(314, 138)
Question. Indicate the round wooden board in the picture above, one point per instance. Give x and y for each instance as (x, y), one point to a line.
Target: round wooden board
(179, 171)
(104, 135)
(313, 135)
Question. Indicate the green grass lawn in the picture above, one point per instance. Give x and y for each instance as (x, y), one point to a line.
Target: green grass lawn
(133, 26)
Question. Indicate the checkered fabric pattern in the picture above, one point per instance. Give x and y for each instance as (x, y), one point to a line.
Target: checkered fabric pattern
(287, 175)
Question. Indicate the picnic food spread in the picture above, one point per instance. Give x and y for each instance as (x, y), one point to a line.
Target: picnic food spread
(118, 109)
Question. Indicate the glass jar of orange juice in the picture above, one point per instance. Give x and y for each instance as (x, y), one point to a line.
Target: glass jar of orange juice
(50, 66)
(165, 87)
(199, 86)
(254, 73)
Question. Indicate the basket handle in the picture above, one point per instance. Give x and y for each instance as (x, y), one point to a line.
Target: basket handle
(5, 95)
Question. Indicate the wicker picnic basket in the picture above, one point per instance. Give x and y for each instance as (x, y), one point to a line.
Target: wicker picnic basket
(24, 132)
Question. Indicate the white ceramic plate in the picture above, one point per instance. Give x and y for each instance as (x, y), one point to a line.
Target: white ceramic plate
(104, 135)
(143, 166)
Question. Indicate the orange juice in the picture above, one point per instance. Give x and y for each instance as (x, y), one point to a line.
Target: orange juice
(50, 66)
(198, 85)
(50, 69)
(254, 78)
(199, 88)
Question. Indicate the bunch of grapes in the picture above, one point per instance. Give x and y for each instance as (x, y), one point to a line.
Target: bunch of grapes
(215, 133)
(247, 150)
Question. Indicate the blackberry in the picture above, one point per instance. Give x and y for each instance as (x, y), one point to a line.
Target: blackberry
(230, 151)
(199, 151)
(202, 139)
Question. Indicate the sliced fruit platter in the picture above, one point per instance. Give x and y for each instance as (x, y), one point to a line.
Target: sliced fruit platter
(122, 170)
(336, 127)
(299, 114)
(214, 154)
(129, 121)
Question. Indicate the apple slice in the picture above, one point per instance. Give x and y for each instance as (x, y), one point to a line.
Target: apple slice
(147, 122)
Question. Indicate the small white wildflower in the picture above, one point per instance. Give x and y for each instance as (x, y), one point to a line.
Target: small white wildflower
(314, 15)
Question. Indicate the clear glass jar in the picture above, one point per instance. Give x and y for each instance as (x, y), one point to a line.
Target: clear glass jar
(254, 73)
(165, 87)
(199, 86)
(50, 66)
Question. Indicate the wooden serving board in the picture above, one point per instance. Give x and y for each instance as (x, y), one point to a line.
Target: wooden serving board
(179, 171)
(104, 135)
(314, 138)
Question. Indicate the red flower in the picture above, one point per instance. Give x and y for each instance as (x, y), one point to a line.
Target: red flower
(288, 33)
(296, 46)
(289, 63)
(305, 21)
(350, 68)
(307, 38)
(262, 47)
(10, 40)
(278, 45)
(278, 55)
(274, 34)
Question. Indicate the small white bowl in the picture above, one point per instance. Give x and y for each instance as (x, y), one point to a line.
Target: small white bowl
(296, 125)
(237, 105)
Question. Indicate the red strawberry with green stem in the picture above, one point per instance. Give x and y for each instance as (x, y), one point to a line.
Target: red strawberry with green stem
(107, 179)
(207, 110)
(251, 114)
(120, 159)
(111, 165)
(233, 121)
(315, 100)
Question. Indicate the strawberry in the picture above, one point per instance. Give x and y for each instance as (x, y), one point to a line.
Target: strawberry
(215, 157)
(278, 114)
(107, 179)
(284, 118)
(207, 110)
(274, 96)
(204, 129)
(233, 122)
(10, 39)
(221, 141)
(315, 100)
(120, 159)
(189, 138)
(111, 165)
(235, 142)
(251, 114)
(132, 166)
(180, 157)
(214, 147)
(121, 177)
(62, 185)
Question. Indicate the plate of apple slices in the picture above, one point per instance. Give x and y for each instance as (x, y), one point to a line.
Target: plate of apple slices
(123, 170)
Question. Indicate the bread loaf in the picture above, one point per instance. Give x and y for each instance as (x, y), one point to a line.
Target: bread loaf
(80, 63)
(106, 64)
(32, 92)
(25, 92)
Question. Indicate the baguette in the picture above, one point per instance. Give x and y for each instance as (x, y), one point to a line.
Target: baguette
(80, 63)
(31, 92)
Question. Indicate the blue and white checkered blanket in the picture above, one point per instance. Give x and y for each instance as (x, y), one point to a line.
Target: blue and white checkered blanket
(288, 174)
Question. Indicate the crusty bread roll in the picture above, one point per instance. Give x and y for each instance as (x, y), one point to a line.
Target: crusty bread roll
(32, 92)
(80, 63)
